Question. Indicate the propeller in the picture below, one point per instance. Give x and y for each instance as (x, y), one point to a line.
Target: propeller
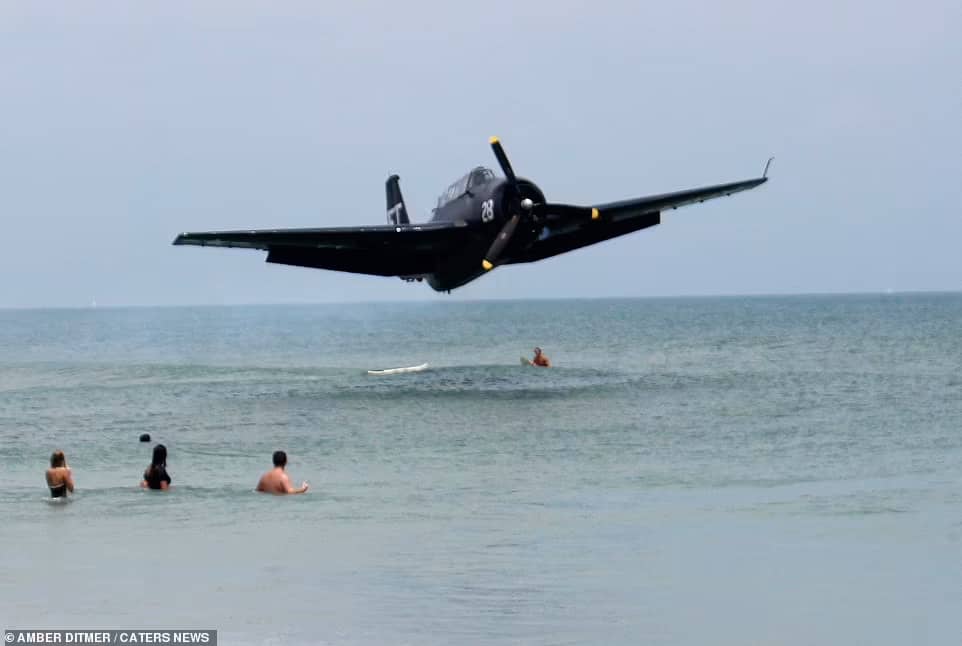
(561, 211)
(504, 236)
(503, 160)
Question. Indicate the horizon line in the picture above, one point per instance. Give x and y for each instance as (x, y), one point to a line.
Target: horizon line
(424, 301)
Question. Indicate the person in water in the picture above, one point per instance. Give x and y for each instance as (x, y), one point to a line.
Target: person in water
(540, 359)
(155, 477)
(59, 476)
(276, 480)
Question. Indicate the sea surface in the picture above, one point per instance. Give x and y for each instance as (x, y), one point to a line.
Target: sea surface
(763, 470)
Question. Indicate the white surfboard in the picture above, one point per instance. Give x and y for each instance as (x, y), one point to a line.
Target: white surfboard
(395, 371)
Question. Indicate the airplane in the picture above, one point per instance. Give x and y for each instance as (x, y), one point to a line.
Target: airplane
(480, 222)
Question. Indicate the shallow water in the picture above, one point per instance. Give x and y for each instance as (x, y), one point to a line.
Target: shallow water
(737, 470)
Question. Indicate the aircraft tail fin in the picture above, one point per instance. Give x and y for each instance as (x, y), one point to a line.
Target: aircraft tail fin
(397, 213)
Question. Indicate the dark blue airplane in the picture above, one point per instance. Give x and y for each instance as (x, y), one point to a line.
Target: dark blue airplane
(481, 221)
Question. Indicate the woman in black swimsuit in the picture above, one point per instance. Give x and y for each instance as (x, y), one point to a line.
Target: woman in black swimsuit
(59, 476)
(155, 477)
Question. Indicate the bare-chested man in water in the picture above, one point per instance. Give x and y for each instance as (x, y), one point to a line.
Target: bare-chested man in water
(540, 359)
(276, 480)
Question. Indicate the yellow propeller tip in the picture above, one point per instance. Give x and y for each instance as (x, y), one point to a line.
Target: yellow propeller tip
(487, 265)
(493, 140)
(595, 214)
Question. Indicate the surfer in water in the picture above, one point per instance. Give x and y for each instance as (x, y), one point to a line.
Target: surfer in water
(276, 480)
(59, 476)
(155, 477)
(540, 359)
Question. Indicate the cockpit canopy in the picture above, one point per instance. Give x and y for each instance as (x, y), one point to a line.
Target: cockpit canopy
(476, 177)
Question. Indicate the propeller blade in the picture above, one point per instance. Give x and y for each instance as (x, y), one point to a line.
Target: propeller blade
(504, 236)
(567, 211)
(503, 160)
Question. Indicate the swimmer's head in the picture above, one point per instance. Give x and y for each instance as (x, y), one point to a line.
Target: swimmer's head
(537, 350)
(280, 459)
(160, 456)
(57, 459)
(145, 437)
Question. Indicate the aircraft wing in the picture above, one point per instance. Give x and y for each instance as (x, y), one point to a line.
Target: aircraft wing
(563, 234)
(406, 250)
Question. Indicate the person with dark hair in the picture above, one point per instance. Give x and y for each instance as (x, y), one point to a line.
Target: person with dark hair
(59, 476)
(276, 480)
(540, 359)
(155, 477)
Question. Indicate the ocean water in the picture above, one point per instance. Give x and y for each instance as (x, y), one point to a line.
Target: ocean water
(767, 470)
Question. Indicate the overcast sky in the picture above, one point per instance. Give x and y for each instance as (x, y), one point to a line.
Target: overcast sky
(124, 123)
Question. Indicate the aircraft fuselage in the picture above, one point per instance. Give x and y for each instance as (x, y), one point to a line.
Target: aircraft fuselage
(480, 199)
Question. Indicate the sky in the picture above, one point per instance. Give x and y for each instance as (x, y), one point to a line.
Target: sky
(125, 123)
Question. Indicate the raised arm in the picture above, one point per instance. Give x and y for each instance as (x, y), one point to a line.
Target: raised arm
(289, 488)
